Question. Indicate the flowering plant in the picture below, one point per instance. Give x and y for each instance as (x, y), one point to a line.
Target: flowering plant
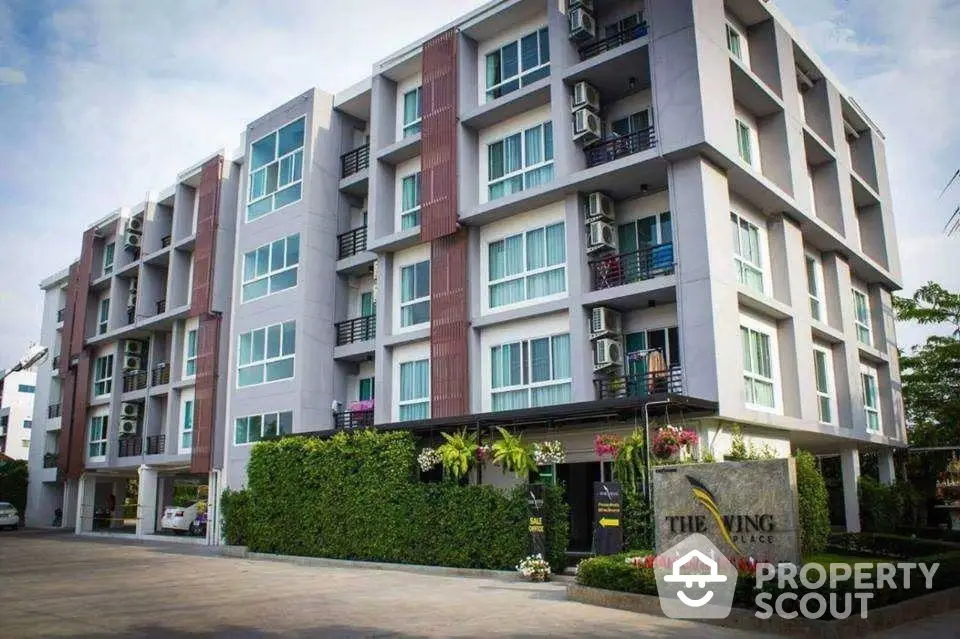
(484, 452)
(641, 561)
(948, 486)
(534, 567)
(428, 459)
(607, 445)
(366, 404)
(546, 453)
(669, 440)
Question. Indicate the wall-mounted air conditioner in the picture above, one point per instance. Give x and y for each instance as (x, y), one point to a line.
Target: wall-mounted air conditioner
(601, 237)
(600, 206)
(585, 97)
(604, 321)
(135, 225)
(587, 127)
(132, 362)
(581, 4)
(128, 426)
(583, 26)
(133, 347)
(131, 240)
(607, 353)
(129, 410)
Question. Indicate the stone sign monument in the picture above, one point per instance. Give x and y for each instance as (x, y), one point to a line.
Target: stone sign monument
(747, 509)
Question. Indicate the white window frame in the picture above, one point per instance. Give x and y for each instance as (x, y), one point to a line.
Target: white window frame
(525, 274)
(867, 372)
(742, 126)
(524, 169)
(263, 420)
(188, 356)
(413, 127)
(526, 369)
(741, 40)
(265, 361)
(770, 333)
(519, 78)
(417, 176)
(417, 300)
(107, 268)
(103, 308)
(815, 288)
(742, 262)
(830, 393)
(277, 160)
(419, 400)
(270, 272)
(860, 325)
(102, 421)
(183, 430)
(107, 380)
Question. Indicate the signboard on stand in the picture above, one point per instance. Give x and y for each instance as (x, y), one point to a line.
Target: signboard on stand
(607, 520)
(536, 520)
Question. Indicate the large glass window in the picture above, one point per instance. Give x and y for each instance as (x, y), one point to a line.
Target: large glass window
(521, 161)
(871, 399)
(518, 64)
(103, 316)
(530, 373)
(254, 428)
(528, 265)
(639, 121)
(190, 357)
(862, 318)
(276, 170)
(411, 112)
(186, 427)
(624, 25)
(97, 437)
(746, 253)
(744, 141)
(758, 382)
(415, 294)
(415, 390)
(813, 289)
(410, 202)
(103, 375)
(266, 354)
(824, 385)
(271, 268)
(108, 256)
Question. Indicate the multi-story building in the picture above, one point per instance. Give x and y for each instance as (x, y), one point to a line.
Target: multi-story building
(566, 220)
(17, 391)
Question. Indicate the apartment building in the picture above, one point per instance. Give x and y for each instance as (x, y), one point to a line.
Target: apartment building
(17, 391)
(565, 220)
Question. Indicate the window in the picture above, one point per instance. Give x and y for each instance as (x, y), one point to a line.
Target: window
(276, 170)
(103, 375)
(415, 294)
(733, 41)
(623, 25)
(813, 289)
(410, 202)
(824, 381)
(266, 354)
(411, 112)
(507, 72)
(253, 428)
(190, 360)
(871, 398)
(415, 390)
(758, 383)
(186, 428)
(97, 438)
(649, 242)
(530, 373)
(744, 142)
(28, 423)
(103, 316)
(639, 121)
(108, 254)
(26, 388)
(521, 161)
(271, 268)
(528, 265)
(365, 391)
(746, 253)
(862, 318)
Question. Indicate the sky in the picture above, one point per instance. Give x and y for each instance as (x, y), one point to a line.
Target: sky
(103, 100)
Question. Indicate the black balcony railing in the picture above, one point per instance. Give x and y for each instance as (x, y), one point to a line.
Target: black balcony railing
(160, 374)
(355, 161)
(353, 419)
(56, 363)
(620, 147)
(358, 329)
(165, 241)
(156, 444)
(53, 411)
(134, 380)
(352, 242)
(131, 314)
(161, 306)
(130, 446)
(60, 314)
(640, 385)
(613, 41)
(626, 268)
(50, 460)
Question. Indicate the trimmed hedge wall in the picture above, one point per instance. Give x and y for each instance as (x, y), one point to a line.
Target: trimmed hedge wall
(812, 505)
(357, 496)
(13, 483)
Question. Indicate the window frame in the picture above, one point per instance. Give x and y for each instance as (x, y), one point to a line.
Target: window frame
(102, 442)
(526, 273)
(734, 36)
(191, 342)
(750, 376)
(270, 273)
(524, 170)
(745, 137)
(522, 78)
(265, 361)
(526, 370)
(815, 288)
(414, 211)
(103, 309)
(415, 300)
(862, 326)
(262, 417)
(871, 408)
(109, 249)
(277, 159)
(744, 263)
(826, 357)
(401, 403)
(617, 27)
(107, 380)
(412, 127)
(187, 419)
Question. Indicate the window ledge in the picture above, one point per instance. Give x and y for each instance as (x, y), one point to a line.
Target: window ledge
(528, 310)
(826, 333)
(406, 337)
(872, 354)
(400, 151)
(396, 241)
(524, 99)
(357, 351)
(356, 183)
(763, 304)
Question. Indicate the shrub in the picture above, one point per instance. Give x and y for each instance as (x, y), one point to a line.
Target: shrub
(881, 506)
(812, 505)
(235, 515)
(13, 483)
(613, 573)
(637, 532)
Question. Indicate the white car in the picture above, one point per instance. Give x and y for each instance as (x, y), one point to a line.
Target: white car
(181, 519)
(9, 516)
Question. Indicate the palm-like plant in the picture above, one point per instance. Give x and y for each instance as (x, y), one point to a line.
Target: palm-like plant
(629, 461)
(457, 453)
(513, 454)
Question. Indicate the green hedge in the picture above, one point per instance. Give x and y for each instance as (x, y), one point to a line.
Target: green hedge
(812, 505)
(881, 506)
(357, 496)
(235, 513)
(13, 483)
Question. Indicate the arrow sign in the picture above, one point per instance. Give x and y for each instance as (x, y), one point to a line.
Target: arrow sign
(607, 522)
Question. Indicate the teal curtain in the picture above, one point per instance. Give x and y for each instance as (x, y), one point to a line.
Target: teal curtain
(533, 139)
(411, 192)
(540, 370)
(512, 154)
(509, 400)
(556, 246)
(366, 389)
(550, 395)
(495, 162)
(536, 249)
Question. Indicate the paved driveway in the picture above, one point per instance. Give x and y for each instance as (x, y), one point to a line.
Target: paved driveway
(58, 585)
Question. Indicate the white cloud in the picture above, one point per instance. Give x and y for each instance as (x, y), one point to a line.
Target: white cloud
(9, 75)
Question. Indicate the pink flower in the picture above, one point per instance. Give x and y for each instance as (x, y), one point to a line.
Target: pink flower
(607, 445)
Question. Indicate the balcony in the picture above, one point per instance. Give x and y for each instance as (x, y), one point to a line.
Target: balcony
(358, 329)
(352, 242)
(161, 306)
(642, 385)
(134, 380)
(348, 419)
(60, 314)
(156, 444)
(620, 147)
(626, 268)
(614, 41)
(354, 161)
(131, 315)
(130, 446)
(165, 241)
(53, 411)
(160, 374)
(50, 460)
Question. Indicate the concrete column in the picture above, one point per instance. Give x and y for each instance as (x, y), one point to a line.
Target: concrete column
(886, 466)
(69, 501)
(147, 501)
(567, 155)
(850, 469)
(120, 495)
(86, 493)
(578, 283)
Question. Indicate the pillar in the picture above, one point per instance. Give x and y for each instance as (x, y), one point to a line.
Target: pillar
(86, 493)
(147, 501)
(69, 500)
(120, 495)
(886, 466)
(850, 469)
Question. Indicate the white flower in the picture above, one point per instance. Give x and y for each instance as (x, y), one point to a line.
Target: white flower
(428, 459)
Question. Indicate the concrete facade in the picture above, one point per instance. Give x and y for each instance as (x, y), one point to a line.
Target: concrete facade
(17, 393)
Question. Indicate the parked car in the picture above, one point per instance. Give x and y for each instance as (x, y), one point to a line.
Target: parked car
(9, 516)
(181, 519)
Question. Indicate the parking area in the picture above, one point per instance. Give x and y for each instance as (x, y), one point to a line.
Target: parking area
(57, 585)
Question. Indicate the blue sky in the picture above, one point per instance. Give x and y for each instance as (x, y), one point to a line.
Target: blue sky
(101, 100)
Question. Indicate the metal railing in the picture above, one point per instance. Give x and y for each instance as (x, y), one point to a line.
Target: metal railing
(353, 419)
(134, 380)
(620, 147)
(161, 306)
(358, 329)
(60, 315)
(160, 374)
(131, 315)
(130, 446)
(636, 266)
(352, 242)
(156, 444)
(614, 41)
(641, 385)
(165, 241)
(50, 460)
(53, 411)
(354, 161)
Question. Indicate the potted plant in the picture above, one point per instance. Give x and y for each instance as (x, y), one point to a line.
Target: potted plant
(534, 568)
(513, 454)
(428, 459)
(458, 453)
(548, 453)
(670, 442)
(628, 464)
(607, 445)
